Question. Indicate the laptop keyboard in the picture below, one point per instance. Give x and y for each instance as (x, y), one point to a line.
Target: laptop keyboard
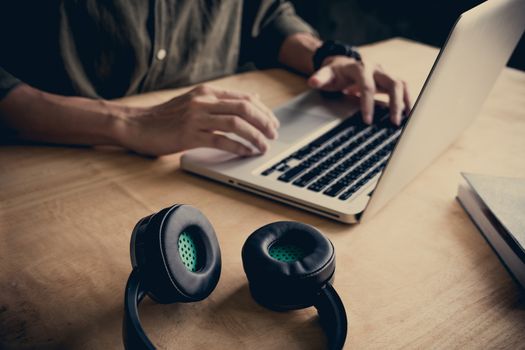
(342, 160)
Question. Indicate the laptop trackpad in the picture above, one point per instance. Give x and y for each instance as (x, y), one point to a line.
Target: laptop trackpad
(296, 124)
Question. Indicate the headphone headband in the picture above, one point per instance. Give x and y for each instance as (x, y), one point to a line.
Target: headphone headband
(330, 308)
(132, 332)
(332, 316)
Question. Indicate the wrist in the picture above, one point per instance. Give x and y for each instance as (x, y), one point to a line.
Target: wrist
(297, 51)
(123, 123)
(97, 122)
(331, 50)
(119, 122)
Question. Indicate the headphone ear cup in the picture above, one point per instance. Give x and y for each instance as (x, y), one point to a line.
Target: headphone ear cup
(177, 255)
(287, 264)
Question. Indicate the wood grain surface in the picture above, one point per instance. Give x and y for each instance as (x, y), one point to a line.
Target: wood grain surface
(417, 276)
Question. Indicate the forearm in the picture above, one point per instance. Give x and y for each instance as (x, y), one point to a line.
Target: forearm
(297, 52)
(30, 114)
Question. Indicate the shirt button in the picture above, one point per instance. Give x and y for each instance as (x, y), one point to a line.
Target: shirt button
(161, 54)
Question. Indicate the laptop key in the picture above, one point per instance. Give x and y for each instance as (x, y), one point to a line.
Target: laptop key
(293, 172)
(268, 171)
(335, 189)
(305, 179)
(347, 194)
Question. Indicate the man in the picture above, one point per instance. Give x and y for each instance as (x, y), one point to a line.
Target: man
(62, 60)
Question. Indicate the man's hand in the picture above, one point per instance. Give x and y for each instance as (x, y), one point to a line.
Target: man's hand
(345, 74)
(198, 119)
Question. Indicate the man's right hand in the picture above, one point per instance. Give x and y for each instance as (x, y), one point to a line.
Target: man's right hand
(199, 118)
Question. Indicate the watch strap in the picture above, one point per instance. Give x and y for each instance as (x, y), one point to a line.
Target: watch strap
(334, 48)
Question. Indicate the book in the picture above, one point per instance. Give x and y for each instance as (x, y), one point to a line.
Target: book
(496, 205)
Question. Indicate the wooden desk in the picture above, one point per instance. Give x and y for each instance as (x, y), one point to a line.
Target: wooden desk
(418, 275)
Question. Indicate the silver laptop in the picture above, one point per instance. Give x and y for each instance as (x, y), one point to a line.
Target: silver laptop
(328, 162)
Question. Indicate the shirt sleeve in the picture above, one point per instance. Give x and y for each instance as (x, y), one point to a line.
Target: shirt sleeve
(266, 24)
(7, 82)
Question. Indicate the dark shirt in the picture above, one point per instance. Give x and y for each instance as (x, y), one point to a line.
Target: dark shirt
(112, 48)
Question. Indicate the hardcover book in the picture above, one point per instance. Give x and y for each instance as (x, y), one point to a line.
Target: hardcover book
(497, 206)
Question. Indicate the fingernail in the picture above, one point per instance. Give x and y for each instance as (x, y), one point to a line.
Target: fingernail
(313, 82)
(276, 121)
(272, 134)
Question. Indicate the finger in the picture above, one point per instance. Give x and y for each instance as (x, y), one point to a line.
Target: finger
(324, 77)
(394, 89)
(236, 125)
(367, 90)
(351, 90)
(253, 98)
(265, 109)
(224, 143)
(207, 90)
(406, 98)
(396, 103)
(247, 111)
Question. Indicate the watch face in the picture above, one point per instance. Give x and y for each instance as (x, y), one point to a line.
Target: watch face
(339, 50)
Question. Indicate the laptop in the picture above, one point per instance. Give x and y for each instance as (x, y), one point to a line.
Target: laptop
(328, 162)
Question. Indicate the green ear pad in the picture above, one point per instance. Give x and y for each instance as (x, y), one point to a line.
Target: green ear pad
(286, 252)
(188, 252)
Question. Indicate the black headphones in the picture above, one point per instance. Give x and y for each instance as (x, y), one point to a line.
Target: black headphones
(176, 258)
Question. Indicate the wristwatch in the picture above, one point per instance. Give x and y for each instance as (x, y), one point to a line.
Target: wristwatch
(334, 48)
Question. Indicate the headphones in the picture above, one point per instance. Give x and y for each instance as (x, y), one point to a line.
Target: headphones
(176, 259)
